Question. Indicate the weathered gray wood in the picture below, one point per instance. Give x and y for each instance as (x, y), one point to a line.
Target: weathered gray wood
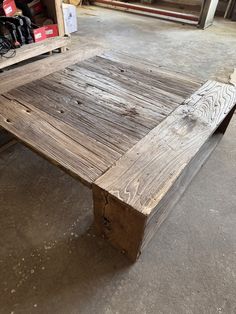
(126, 127)
(148, 68)
(35, 49)
(54, 139)
(93, 107)
(21, 75)
(232, 79)
(140, 184)
(207, 14)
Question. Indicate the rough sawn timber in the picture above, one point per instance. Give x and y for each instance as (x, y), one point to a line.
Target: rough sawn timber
(85, 117)
(29, 72)
(35, 49)
(134, 196)
(122, 126)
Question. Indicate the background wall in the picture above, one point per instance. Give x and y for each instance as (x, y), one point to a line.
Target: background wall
(194, 3)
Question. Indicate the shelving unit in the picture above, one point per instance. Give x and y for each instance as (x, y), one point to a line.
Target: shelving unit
(54, 11)
(202, 19)
(34, 50)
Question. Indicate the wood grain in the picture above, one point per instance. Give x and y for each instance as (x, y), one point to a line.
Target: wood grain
(232, 79)
(55, 12)
(35, 49)
(62, 146)
(124, 126)
(104, 109)
(189, 83)
(21, 75)
(144, 179)
(134, 179)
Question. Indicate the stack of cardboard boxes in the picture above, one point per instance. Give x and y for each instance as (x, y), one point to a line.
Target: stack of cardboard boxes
(43, 26)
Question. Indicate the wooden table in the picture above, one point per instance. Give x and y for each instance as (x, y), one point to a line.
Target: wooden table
(134, 132)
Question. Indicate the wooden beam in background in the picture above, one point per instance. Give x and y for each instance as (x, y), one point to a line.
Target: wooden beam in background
(150, 11)
(207, 13)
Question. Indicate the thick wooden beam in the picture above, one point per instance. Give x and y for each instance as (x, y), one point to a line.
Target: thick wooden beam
(149, 11)
(133, 198)
(32, 50)
(29, 72)
(207, 14)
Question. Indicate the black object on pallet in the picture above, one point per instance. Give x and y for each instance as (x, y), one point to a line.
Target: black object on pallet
(6, 47)
(16, 29)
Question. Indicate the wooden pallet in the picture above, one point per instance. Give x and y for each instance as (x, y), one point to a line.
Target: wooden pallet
(54, 11)
(30, 51)
(132, 131)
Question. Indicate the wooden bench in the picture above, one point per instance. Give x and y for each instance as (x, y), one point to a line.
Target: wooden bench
(134, 132)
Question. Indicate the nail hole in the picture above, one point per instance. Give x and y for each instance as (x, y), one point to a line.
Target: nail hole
(107, 223)
(121, 70)
(79, 102)
(61, 111)
(28, 110)
(8, 120)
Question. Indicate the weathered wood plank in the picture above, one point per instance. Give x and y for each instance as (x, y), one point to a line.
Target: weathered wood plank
(98, 129)
(147, 92)
(147, 67)
(139, 183)
(102, 84)
(179, 187)
(21, 75)
(110, 109)
(164, 83)
(35, 49)
(55, 140)
(136, 117)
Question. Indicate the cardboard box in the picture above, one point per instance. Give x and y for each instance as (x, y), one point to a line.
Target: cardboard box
(44, 32)
(39, 34)
(8, 8)
(70, 18)
(51, 30)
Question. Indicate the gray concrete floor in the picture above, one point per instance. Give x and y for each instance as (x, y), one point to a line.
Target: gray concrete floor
(51, 263)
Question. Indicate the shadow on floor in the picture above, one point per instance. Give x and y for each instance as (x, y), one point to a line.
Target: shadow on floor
(47, 247)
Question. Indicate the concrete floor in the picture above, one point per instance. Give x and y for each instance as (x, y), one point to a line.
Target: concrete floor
(50, 263)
